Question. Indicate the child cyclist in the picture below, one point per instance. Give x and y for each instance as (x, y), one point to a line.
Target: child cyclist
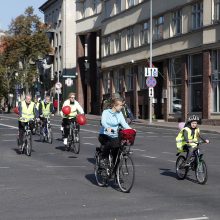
(188, 137)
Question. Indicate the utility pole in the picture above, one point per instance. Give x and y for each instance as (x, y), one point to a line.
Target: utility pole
(151, 30)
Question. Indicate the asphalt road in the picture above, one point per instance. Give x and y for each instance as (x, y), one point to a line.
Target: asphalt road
(56, 184)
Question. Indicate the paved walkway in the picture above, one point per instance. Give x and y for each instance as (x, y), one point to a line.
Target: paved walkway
(174, 125)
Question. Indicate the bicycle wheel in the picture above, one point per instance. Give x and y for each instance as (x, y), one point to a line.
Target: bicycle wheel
(50, 136)
(125, 173)
(100, 173)
(201, 172)
(181, 170)
(76, 144)
(42, 137)
(28, 145)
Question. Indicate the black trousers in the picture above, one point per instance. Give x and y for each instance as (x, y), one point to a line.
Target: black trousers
(189, 149)
(108, 144)
(21, 127)
(66, 125)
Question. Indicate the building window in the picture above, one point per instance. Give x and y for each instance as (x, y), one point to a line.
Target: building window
(195, 83)
(175, 85)
(95, 6)
(215, 59)
(108, 8)
(197, 15)
(129, 79)
(159, 28)
(83, 10)
(106, 82)
(144, 33)
(107, 46)
(117, 6)
(141, 77)
(117, 81)
(130, 38)
(130, 3)
(217, 10)
(177, 22)
(117, 42)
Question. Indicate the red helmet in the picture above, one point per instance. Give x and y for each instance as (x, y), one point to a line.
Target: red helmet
(66, 110)
(15, 110)
(128, 135)
(81, 119)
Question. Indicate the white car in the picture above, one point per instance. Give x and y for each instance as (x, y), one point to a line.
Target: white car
(177, 105)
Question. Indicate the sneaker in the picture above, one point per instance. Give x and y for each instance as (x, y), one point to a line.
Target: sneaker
(65, 141)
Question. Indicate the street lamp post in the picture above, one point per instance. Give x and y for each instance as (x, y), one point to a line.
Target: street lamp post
(150, 98)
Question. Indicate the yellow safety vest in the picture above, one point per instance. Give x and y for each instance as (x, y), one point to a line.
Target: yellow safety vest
(27, 112)
(45, 110)
(180, 141)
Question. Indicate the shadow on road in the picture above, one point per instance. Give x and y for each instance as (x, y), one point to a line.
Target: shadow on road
(91, 178)
(18, 151)
(62, 148)
(91, 160)
(167, 172)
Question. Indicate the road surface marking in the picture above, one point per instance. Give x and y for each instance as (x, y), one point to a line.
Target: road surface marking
(172, 161)
(8, 140)
(9, 126)
(64, 166)
(168, 153)
(149, 156)
(89, 144)
(89, 137)
(137, 149)
(4, 167)
(198, 218)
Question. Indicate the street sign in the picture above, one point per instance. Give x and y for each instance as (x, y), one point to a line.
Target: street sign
(151, 81)
(151, 72)
(69, 82)
(58, 85)
(151, 92)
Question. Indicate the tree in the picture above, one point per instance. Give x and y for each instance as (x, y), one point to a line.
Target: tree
(26, 42)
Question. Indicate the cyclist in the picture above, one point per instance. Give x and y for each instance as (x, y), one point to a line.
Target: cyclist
(188, 136)
(27, 113)
(111, 121)
(45, 110)
(67, 119)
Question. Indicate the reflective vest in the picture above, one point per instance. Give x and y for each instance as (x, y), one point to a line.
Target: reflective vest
(73, 112)
(180, 141)
(45, 110)
(27, 113)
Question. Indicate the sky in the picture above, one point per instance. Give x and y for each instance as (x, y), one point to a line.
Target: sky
(10, 9)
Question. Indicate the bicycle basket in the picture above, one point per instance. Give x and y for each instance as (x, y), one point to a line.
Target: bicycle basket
(128, 136)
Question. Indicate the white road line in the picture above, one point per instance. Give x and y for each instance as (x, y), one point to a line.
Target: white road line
(89, 144)
(64, 166)
(9, 134)
(149, 157)
(90, 137)
(168, 153)
(198, 218)
(8, 140)
(172, 161)
(4, 167)
(137, 149)
(9, 126)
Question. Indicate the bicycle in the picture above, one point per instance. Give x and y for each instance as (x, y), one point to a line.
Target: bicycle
(37, 126)
(73, 140)
(197, 164)
(46, 133)
(26, 146)
(122, 169)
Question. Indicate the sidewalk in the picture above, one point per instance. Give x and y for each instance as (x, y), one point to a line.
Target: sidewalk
(164, 124)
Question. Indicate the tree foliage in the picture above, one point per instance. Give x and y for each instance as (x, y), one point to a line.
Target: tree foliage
(26, 41)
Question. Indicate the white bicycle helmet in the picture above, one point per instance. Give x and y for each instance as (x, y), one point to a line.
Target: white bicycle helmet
(193, 118)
